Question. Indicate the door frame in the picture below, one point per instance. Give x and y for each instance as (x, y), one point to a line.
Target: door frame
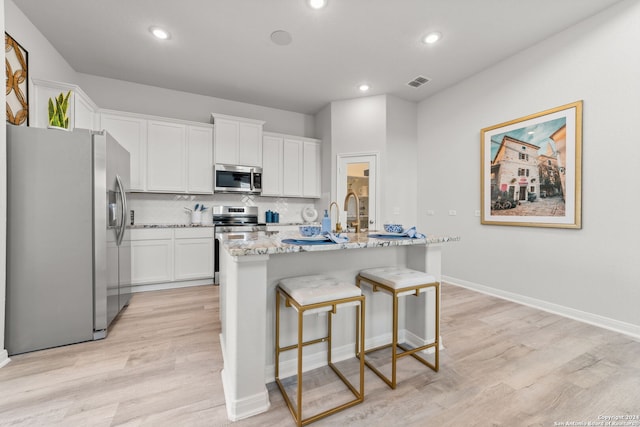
(373, 157)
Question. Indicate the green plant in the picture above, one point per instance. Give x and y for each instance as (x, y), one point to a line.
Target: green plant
(58, 112)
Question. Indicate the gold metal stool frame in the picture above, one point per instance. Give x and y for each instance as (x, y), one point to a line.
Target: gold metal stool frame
(359, 395)
(395, 293)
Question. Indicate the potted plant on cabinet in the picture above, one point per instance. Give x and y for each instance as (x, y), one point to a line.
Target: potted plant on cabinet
(58, 118)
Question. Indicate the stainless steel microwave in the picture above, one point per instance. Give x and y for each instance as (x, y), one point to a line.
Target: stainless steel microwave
(237, 179)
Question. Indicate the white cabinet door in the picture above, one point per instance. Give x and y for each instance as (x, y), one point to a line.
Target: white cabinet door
(311, 169)
(131, 133)
(271, 166)
(237, 140)
(194, 254)
(226, 141)
(200, 160)
(292, 167)
(151, 256)
(85, 112)
(166, 157)
(250, 144)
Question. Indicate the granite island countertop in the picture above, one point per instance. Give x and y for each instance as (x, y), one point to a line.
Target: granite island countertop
(141, 226)
(270, 242)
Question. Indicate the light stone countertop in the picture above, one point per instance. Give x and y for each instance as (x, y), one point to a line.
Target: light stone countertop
(140, 226)
(270, 242)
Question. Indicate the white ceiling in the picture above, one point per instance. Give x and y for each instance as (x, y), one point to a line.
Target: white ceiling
(222, 48)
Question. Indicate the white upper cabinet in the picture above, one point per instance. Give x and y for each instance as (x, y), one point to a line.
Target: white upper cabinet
(200, 159)
(82, 111)
(271, 165)
(86, 112)
(225, 141)
(311, 169)
(166, 156)
(237, 140)
(131, 132)
(291, 166)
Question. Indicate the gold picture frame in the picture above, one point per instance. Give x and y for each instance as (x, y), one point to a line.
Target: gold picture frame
(17, 82)
(531, 170)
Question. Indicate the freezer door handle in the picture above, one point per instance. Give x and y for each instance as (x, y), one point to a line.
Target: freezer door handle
(123, 214)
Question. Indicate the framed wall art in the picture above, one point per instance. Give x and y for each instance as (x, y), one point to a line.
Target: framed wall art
(17, 87)
(531, 170)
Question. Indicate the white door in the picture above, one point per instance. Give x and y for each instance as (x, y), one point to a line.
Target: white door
(358, 173)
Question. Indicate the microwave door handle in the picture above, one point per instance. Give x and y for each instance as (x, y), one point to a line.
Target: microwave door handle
(252, 183)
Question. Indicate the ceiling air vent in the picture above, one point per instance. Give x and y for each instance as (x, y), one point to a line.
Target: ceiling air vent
(418, 81)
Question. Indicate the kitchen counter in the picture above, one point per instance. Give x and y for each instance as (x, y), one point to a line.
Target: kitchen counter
(252, 264)
(137, 226)
(270, 243)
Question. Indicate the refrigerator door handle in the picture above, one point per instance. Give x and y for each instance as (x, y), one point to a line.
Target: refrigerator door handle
(123, 217)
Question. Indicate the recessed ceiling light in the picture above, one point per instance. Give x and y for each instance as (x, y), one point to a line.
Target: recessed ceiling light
(159, 33)
(432, 37)
(317, 4)
(363, 87)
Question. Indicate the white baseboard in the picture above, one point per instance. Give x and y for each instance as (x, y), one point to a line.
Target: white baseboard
(582, 316)
(244, 408)
(170, 285)
(4, 358)
(312, 361)
(316, 360)
(415, 341)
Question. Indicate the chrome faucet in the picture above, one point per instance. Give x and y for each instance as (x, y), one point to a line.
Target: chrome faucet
(346, 208)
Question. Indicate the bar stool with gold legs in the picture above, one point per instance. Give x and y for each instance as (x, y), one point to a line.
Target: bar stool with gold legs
(399, 282)
(313, 294)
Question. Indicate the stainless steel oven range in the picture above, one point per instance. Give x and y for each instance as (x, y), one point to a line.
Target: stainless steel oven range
(233, 219)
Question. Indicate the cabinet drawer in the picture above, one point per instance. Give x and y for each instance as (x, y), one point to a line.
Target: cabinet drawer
(194, 233)
(151, 233)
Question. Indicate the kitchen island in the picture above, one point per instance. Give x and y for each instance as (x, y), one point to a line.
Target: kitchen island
(251, 264)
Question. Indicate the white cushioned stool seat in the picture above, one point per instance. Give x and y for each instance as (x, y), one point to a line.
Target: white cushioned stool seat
(397, 277)
(315, 289)
(400, 282)
(312, 294)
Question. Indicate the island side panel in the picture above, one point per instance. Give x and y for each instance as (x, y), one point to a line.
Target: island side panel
(420, 320)
(243, 334)
(343, 265)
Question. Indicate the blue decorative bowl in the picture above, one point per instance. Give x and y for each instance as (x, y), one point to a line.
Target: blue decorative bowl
(310, 230)
(393, 228)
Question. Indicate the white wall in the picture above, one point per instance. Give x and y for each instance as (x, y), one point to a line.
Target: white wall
(4, 358)
(383, 124)
(138, 98)
(401, 165)
(44, 61)
(587, 273)
(358, 126)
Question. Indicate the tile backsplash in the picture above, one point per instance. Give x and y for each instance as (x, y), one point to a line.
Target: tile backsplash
(153, 208)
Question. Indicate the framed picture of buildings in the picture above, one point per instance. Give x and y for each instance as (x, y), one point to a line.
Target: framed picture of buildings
(531, 170)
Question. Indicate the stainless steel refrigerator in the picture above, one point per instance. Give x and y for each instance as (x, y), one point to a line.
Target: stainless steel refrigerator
(68, 251)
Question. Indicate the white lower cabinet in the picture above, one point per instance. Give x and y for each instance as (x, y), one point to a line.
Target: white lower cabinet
(165, 255)
(151, 256)
(193, 251)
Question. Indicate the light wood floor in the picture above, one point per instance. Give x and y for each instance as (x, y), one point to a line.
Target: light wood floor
(504, 364)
